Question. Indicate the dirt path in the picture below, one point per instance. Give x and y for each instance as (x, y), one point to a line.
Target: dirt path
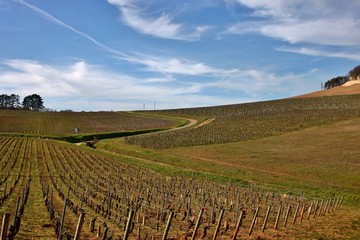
(204, 123)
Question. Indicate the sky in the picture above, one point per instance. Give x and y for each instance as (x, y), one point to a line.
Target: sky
(91, 55)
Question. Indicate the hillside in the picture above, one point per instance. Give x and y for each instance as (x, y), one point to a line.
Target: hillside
(298, 157)
(242, 122)
(345, 89)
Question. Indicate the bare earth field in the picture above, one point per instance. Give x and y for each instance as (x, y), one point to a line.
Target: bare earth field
(340, 90)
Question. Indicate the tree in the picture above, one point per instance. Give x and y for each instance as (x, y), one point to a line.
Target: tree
(334, 82)
(355, 72)
(33, 102)
(14, 101)
(9, 102)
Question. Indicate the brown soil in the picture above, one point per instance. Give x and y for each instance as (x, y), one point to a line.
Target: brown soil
(341, 90)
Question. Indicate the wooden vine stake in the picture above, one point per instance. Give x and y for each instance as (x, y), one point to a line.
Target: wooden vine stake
(5, 226)
(197, 224)
(219, 223)
(266, 218)
(238, 224)
(302, 213)
(295, 214)
(320, 208)
(316, 208)
(128, 225)
(277, 218)
(168, 225)
(62, 219)
(79, 226)
(309, 211)
(254, 220)
(340, 203)
(287, 215)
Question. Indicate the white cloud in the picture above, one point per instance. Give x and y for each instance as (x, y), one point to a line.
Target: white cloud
(83, 86)
(176, 66)
(162, 25)
(47, 16)
(327, 22)
(81, 82)
(260, 84)
(314, 52)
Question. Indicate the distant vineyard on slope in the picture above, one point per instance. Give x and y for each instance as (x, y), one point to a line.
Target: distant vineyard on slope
(253, 120)
(64, 123)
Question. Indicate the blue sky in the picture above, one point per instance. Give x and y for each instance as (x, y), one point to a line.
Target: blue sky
(127, 54)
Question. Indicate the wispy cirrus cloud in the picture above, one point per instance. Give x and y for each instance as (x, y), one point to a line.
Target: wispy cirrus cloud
(315, 52)
(152, 63)
(135, 15)
(328, 22)
(176, 66)
(47, 16)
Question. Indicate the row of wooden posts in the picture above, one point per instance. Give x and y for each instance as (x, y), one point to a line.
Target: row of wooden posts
(320, 208)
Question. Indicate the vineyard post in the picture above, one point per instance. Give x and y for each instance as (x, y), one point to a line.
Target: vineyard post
(309, 210)
(128, 225)
(139, 232)
(254, 220)
(296, 211)
(335, 204)
(197, 223)
(266, 218)
(321, 205)
(287, 215)
(5, 226)
(277, 218)
(302, 213)
(62, 219)
(168, 225)
(341, 201)
(99, 231)
(219, 223)
(16, 210)
(325, 207)
(330, 205)
(237, 204)
(316, 208)
(238, 225)
(79, 226)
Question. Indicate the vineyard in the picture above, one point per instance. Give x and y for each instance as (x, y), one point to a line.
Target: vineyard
(299, 186)
(234, 123)
(46, 186)
(64, 123)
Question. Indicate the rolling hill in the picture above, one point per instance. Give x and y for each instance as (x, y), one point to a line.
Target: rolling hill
(352, 87)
